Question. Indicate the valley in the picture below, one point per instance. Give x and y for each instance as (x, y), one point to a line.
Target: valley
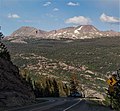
(92, 60)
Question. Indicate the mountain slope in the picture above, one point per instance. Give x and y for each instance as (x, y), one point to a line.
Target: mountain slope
(80, 32)
(24, 33)
(14, 91)
(28, 31)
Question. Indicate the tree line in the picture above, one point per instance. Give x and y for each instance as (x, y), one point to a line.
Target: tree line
(45, 86)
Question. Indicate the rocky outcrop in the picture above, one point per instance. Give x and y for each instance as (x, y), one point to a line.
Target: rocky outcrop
(13, 89)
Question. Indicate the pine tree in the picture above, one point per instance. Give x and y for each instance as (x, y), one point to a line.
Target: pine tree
(36, 89)
(3, 50)
(47, 88)
(61, 89)
(74, 83)
(1, 36)
(66, 89)
(56, 88)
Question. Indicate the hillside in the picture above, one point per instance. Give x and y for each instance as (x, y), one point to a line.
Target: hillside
(93, 60)
(14, 90)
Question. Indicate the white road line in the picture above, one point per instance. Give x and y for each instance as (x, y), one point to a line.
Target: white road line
(71, 106)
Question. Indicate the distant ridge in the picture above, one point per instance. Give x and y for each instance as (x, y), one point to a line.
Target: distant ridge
(79, 32)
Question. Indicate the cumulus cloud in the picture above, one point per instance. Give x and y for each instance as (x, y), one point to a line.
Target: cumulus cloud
(47, 4)
(72, 4)
(55, 9)
(109, 19)
(15, 16)
(79, 20)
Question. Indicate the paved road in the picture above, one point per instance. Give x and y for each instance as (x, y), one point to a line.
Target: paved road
(66, 106)
(54, 104)
(63, 104)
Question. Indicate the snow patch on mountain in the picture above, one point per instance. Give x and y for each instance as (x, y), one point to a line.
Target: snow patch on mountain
(80, 28)
(76, 32)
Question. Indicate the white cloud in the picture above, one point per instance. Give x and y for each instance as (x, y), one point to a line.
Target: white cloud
(55, 9)
(15, 16)
(109, 19)
(73, 4)
(47, 4)
(79, 20)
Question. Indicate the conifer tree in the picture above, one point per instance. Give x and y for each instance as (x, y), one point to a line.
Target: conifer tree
(73, 83)
(3, 50)
(37, 90)
(66, 89)
(47, 88)
(56, 88)
(1, 36)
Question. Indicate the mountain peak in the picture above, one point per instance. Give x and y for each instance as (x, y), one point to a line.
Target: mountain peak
(86, 28)
(79, 32)
(28, 31)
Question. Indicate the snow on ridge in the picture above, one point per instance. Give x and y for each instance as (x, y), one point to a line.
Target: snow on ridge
(80, 28)
(77, 30)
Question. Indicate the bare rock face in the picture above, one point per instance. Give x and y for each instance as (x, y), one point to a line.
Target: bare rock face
(13, 89)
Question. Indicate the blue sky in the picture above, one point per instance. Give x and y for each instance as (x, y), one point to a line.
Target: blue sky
(55, 14)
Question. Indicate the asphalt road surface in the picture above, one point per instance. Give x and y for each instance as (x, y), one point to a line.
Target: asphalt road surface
(61, 104)
(53, 104)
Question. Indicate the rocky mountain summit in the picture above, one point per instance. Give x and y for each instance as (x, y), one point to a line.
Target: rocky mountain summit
(80, 32)
(13, 89)
(28, 31)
